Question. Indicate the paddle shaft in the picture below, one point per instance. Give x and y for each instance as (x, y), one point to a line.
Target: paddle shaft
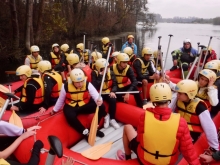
(158, 52)
(9, 87)
(4, 108)
(122, 92)
(210, 39)
(192, 67)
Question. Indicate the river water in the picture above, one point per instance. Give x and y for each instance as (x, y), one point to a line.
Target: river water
(196, 32)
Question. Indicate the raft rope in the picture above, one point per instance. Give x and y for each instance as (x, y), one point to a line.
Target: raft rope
(45, 150)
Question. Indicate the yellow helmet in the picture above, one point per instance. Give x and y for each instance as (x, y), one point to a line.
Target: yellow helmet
(218, 62)
(146, 50)
(209, 49)
(34, 48)
(24, 70)
(208, 74)
(105, 40)
(96, 55)
(187, 86)
(64, 47)
(114, 54)
(160, 92)
(122, 57)
(43, 66)
(72, 58)
(156, 53)
(55, 45)
(77, 75)
(100, 63)
(130, 36)
(128, 51)
(212, 65)
(80, 46)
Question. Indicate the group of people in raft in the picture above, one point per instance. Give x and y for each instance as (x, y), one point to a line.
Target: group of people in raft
(195, 99)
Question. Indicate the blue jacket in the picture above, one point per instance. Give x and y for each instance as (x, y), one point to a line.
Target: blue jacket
(133, 46)
(193, 51)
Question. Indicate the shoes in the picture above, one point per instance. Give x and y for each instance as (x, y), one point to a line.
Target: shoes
(144, 101)
(120, 155)
(100, 134)
(114, 124)
(106, 121)
(173, 68)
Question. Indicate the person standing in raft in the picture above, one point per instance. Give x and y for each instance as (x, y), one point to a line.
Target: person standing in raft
(130, 43)
(32, 92)
(76, 96)
(195, 112)
(57, 60)
(52, 84)
(33, 59)
(105, 46)
(145, 71)
(109, 86)
(161, 146)
(125, 78)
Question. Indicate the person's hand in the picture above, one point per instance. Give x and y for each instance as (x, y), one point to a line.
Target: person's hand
(33, 128)
(99, 102)
(155, 76)
(27, 134)
(112, 95)
(167, 79)
(126, 97)
(52, 112)
(175, 62)
(69, 161)
(211, 81)
(68, 74)
(14, 108)
(205, 158)
(42, 110)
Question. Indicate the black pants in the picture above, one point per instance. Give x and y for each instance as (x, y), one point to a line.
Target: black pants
(111, 105)
(137, 96)
(71, 114)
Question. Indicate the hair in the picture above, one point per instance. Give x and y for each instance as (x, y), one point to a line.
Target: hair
(159, 103)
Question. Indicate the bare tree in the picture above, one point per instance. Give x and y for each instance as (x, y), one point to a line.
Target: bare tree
(29, 23)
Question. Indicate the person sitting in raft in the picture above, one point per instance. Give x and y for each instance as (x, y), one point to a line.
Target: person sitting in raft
(76, 96)
(154, 60)
(33, 59)
(105, 46)
(85, 55)
(195, 112)
(10, 130)
(72, 60)
(210, 56)
(114, 57)
(125, 78)
(214, 65)
(130, 53)
(184, 56)
(95, 56)
(109, 87)
(52, 84)
(130, 43)
(32, 92)
(57, 60)
(161, 146)
(145, 71)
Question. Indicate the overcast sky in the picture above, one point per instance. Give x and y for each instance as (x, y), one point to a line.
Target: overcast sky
(185, 8)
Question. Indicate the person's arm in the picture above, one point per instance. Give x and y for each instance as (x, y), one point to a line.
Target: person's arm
(151, 69)
(10, 129)
(96, 80)
(18, 89)
(175, 53)
(185, 142)
(48, 86)
(135, 49)
(27, 61)
(8, 151)
(60, 100)
(207, 125)
(130, 75)
(93, 92)
(213, 95)
(137, 67)
(114, 83)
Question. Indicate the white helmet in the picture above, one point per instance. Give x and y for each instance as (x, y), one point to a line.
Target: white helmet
(55, 45)
(34, 48)
(187, 40)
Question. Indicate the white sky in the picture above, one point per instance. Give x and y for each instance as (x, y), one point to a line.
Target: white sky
(185, 8)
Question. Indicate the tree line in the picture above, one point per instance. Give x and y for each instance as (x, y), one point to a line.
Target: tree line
(43, 22)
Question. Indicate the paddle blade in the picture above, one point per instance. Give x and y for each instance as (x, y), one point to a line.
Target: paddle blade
(3, 162)
(98, 151)
(93, 128)
(4, 89)
(15, 119)
(2, 102)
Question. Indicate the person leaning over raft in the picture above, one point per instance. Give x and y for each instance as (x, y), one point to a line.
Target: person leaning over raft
(12, 130)
(76, 96)
(32, 92)
(160, 133)
(52, 84)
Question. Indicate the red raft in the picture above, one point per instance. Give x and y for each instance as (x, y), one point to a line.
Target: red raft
(57, 126)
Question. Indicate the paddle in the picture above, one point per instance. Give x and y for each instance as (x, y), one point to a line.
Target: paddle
(94, 124)
(15, 119)
(130, 92)
(2, 102)
(4, 89)
(98, 151)
(10, 72)
(210, 39)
